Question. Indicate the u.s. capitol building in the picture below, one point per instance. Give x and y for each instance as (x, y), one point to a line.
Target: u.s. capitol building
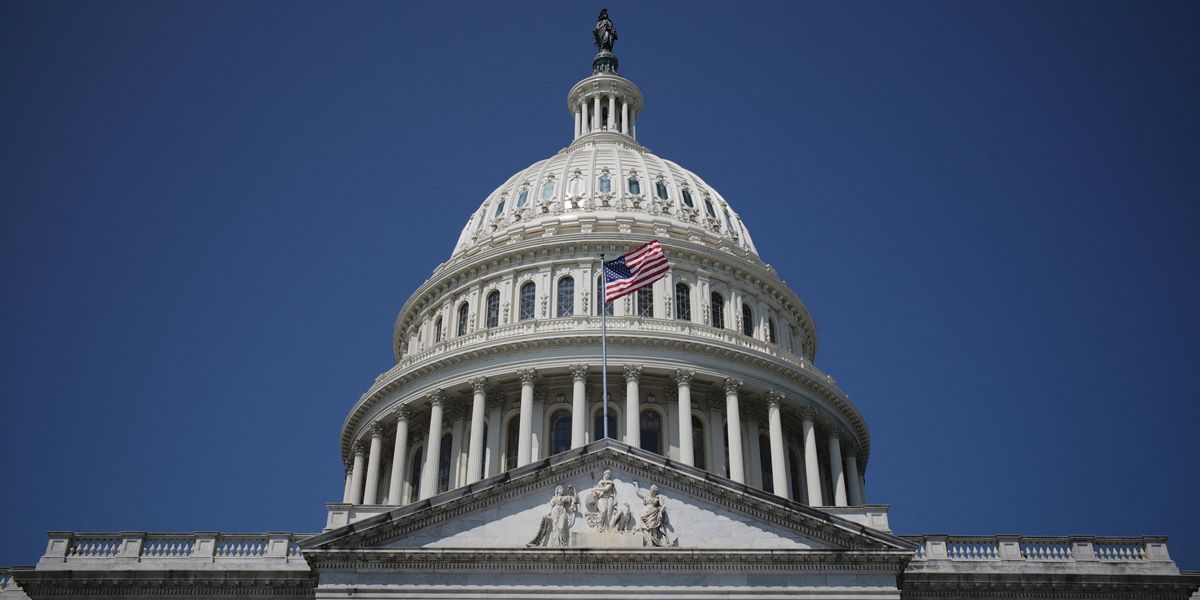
(478, 467)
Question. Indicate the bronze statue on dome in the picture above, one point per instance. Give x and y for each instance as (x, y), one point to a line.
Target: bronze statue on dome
(605, 33)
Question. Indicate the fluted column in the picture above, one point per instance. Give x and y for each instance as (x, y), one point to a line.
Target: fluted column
(683, 382)
(612, 113)
(733, 420)
(457, 416)
(475, 448)
(812, 470)
(525, 431)
(399, 455)
(579, 375)
(346, 491)
(852, 479)
(433, 452)
(495, 433)
(633, 430)
(356, 482)
(779, 468)
(585, 124)
(371, 495)
(577, 119)
(596, 114)
(716, 433)
(625, 117)
(836, 476)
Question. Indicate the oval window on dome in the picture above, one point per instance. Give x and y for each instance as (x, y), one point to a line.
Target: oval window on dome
(687, 198)
(548, 190)
(576, 186)
(499, 207)
(605, 185)
(660, 188)
(522, 198)
(708, 207)
(728, 222)
(635, 186)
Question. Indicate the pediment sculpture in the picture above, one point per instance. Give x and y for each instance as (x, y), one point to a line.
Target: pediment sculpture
(609, 522)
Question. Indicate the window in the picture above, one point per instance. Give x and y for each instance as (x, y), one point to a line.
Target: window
(444, 464)
(645, 302)
(660, 188)
(548, 190)
(576, 186)
(499, 207)
(528, 294)
(437, 330)
(698, 443)
(598, 425)
(768, 476)
(687, 198)
(462, 318)
(728, 222)
(514, 437)
(566, 297)
(771, 331)
(608, 306)
(683, 302)
(493, 309)
(747, 320)
(708, 207)
(560, 432)
(716, 306)
(651, 425)
(522, 198)
(605, 185)
(635, 186)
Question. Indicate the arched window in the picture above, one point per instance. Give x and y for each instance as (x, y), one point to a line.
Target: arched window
(608, 306)
(523, 197)
(771, 331)
(764, 451)
(716, 307)
(598, 425)
(708, 207)
(560, 432)
(651, 425)
(698, 443)
(548, 190)
(566, 297)
(683, 302)
(444, 464)
(415, 466)
(645, 302)
(687, 198)
(528, 299)
(605, 184)
(660, 188)
(493, 309)
(514, 437)
(499, 207)
(437, 329)
(462, 318)
(747, 320)
(635, 186)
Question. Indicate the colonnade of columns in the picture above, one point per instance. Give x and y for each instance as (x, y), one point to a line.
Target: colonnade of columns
(726, 440)
(590, 115)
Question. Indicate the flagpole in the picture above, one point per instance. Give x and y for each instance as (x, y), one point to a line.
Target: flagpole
(604, 342)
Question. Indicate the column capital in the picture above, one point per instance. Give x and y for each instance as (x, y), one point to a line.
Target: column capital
(732, 386)
(579, 372)
(632, 372)
(479, 385)
(528, 376)
(539, 394)
(808, 413)
(774, 400)
(835, 432)
(376, 429)
(715, 400)
(684, 376)
(438, 397)
(402, 412)
(357, 448)
(455, 411)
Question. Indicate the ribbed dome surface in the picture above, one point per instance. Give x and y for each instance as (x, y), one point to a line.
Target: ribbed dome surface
(607, 176)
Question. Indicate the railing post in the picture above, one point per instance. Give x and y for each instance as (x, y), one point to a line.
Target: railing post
(1082, 548)
(277, 544)
(1156, 548)
(205, 545)
(131, 544)
(935, 547)
(56, 549)
(1010, 547)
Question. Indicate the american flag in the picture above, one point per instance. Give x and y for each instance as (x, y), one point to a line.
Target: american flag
(634, 271)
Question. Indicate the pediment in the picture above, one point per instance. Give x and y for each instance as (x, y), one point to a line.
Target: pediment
(693, 509)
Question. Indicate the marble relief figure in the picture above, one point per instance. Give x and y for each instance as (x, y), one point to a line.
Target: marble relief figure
(601, 503)
(555, 529)
(655, 524)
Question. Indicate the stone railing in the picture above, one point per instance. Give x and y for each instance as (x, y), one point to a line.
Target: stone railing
(1014, 549)
(170, 550)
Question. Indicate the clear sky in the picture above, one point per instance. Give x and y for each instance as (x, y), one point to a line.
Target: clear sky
(212, 212)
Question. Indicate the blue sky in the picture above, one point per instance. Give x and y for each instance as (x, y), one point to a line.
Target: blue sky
(213, 211)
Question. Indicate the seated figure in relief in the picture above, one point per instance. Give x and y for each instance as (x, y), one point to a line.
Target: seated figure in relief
(655, 525)
(601, 503)
(555, 529)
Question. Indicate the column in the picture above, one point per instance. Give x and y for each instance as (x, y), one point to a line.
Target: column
(596, 114)
(456, 445)
(577, 115)
(716, 434)
(625, 117)
(525, 432)
(399, 455)
(683, 381)
(356, 482)
(539, 446)
(579, 375)
(779, 470)
(836, 476)
(754, 475)
(475, 448)
(733, 421)
(349, 484)
(495, 435)
(612, 113)
(433, 446)
(812, 471)
(852, 479)
(371, 495)
(584, 123)
(633, 430)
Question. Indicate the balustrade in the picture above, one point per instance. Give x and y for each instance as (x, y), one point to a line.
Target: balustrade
(1041, 549)
(170, 548)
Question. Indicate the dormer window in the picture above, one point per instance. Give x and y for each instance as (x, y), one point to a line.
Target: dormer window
(660, 189)
(708, 207)
(548, 190)
(499, 207)
(635, 186)
(687, 198)
(522, 198)
(605, 185)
